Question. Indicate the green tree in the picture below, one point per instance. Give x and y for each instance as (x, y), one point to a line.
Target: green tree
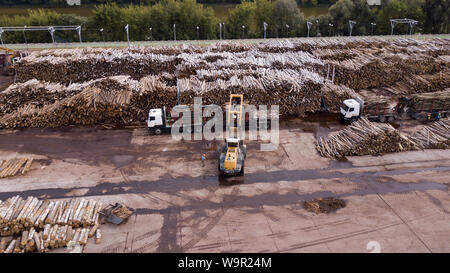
(242, 15)
(341, 12)
(109, 18)
(287, 13)
(363, 16)
(263, 13)
(437, 16)
(396, 9)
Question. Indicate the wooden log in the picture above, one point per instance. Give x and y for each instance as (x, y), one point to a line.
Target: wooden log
(52, 214)
(73, 212)
(25, 207)
(54, 232)
(18, 247)
(42, 218)
(69, 234)
(47, 230)
(93, 230)
(37, 239)
(98, 236)
(27, 165)
(3, 245)
(31, 245)
(17, 211)
(11, 246)
(24, 239)
(78, 212)
(67, 212)
(84, 236)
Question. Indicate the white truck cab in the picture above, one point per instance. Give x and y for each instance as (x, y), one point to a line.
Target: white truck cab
(156, 120)
(350, 110)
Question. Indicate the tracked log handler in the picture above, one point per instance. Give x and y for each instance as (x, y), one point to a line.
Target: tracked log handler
(233, 152)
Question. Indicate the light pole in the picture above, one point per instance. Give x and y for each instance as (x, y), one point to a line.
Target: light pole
(174, 33)
(329, 30)
(25, 37)
(318, 28)
(151, 36)
(287, 30)
(308, 25)
(243, 32)
(128, 37)
(223, 25)
(52, 31)
(265, 29)
(220, 31)
(351, 24)
(373, 24)
(198, 33)
(103, 35)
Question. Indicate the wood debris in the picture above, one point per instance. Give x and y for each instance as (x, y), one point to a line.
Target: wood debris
(14, 166)
(324, 205)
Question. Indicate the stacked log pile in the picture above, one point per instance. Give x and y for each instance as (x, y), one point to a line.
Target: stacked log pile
(427, 83)
(289, 73)
(429, 101)
(368, 70)
(375, 105)
(333, 95)
(78, 67)
(364, 138)
(14, 166)
(434, 136)
(296, 92)
(40, 225)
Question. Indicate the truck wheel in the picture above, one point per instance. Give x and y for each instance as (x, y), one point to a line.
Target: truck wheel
(10, 71)
(242, 170)
(383, 119)
(390, 119)
(158, 131)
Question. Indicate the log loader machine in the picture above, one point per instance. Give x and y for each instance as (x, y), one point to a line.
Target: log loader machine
(233, 152)
(9, 59)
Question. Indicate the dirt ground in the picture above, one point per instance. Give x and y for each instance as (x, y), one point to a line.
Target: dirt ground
(5, 81)
(399, 202)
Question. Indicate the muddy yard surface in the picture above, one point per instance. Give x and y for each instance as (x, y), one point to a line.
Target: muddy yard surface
(5, 81)
(399, 200)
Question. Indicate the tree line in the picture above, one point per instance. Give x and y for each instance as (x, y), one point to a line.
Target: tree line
(62, 3)
(195, 21)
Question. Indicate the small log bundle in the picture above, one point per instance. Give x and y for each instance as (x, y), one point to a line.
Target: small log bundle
(434, 136)
(18, 215)
(14, 166)
(364, 138)
(40, 225)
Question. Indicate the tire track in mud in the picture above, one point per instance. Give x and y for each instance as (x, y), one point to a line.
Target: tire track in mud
(169, 230)
(213, 222)
(167, 240)
(169, 185)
